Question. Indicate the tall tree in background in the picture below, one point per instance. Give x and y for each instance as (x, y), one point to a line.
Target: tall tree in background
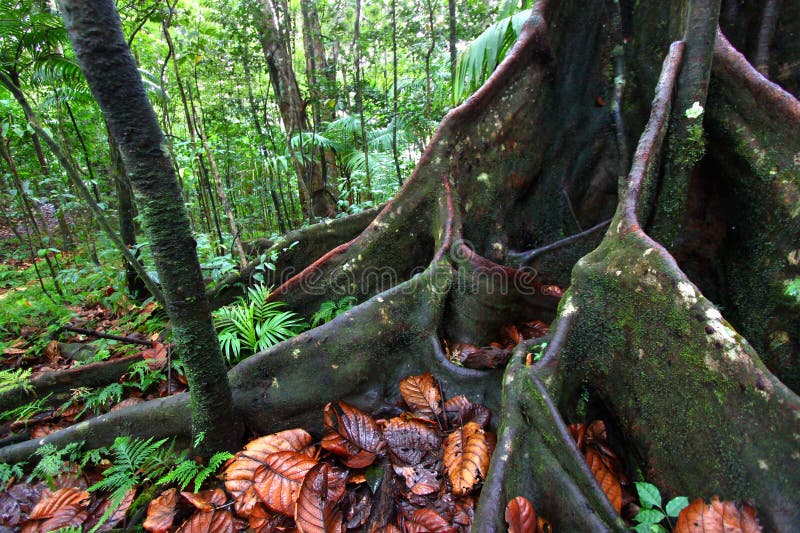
(316, 197)
(109, 67)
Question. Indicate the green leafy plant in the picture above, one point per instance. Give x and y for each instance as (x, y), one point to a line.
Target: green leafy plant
(792, 289)
(331, 309)
(652, 514)
(188, 470)
(253, 323)
(142, 376)
(134, 460)
(55, 461)
(95, 400)
(12, 379)
(24, 412)
(10, 471)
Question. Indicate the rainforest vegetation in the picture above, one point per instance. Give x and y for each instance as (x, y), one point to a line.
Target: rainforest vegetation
(400, 265)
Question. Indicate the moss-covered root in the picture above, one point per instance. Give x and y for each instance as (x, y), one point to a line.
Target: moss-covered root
(165, 417)
(292, 253)
(698, 406)
(536, 458)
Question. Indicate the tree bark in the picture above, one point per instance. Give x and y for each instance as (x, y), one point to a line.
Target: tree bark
(96, 35)
(316, 198)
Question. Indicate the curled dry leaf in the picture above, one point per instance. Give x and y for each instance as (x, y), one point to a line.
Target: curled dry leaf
(717, 517)
(316, 510)
(467, 452)
(352, 435)
(263, 520)
(206, 500)
(607, 480)
(278, 481)
(219, 521)
(520, 516)
(422, 395)
(51, 502)
(161, 512)
(460, 410)
(240, 472)
(409, 439)
(424, 520)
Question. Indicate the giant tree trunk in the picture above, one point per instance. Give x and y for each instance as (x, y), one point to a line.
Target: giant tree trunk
(103, 54)
(535, 156)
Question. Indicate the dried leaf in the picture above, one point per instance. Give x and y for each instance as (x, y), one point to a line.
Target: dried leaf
(460, 410)
(206, 500)
(278, 481)
(219, 521)
(425, 520)
(578, 432)
(409, 439)
(533, 329)
(127, 402)
(352, 435)
(420, 479)
(422, 395)
(117, 516)
(480, 358)
(717, 517)
(10, 512)
(262, 520)
(244, 504)
(607, 480)
(520, 516)
(467, 452)
(71, 515)
(240, 472)
(161, 512)
(544, 525)
(51, 502)
(316, 510)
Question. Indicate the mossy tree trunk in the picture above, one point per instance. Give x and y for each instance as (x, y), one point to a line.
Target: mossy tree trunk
(700, 405)
(103, 54)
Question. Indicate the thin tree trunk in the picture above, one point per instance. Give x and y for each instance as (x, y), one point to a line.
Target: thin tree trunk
(360, 97)
(394, 93)
(451, 4)
(96, 34)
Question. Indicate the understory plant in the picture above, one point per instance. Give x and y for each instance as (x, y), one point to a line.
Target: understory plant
(253, 323)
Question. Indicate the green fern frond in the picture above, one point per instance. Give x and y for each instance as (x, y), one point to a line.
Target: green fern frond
(183, 474)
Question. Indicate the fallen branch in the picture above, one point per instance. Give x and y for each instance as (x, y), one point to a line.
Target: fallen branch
(93, 333)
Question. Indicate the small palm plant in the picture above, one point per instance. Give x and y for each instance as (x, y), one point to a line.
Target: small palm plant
(253, 323)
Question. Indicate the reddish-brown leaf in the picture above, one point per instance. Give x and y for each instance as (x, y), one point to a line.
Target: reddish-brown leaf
(243, 505)
(127, 402)
(422, 395)
(544, 525)
(278, 481)
(533, 329)
(717, 517)
(409, 439)
(116, 516)
(422, 480)
(71, 515)
(578, 432)
(161, 512)
(427, 520)
(262, 520)
(316, 510)
(51, 502)
(606, 478)
(219, 521)
(510, 336)
(352, 435)
(206, 500)
(520, 516)
(467, 452)
(240, 472)
(460, 410)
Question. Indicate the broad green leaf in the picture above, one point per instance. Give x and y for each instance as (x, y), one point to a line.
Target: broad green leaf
(649, 496)
(649, 516)
(676, 505)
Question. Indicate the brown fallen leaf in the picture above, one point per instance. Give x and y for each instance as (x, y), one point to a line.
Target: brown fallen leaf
(424, 520)
(206, 500)
(717, 517)
(161, 512)
(422, 395)
(72, 515)
(467, 452)
(316, 510)
(607, 480)
(352, 435)
(520, 516)
(219, 521)
(278, 481)
(51, 502)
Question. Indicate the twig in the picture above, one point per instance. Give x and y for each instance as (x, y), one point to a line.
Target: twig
(93, 333)
(525, 257)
